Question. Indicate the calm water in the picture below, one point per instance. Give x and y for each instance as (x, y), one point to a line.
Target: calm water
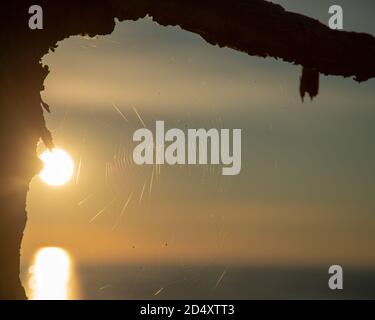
(54, 275)
(177, 282)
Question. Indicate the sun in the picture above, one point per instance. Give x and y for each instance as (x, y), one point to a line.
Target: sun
(58, 167)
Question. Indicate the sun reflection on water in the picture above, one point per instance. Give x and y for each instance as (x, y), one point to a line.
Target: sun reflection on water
(51, 276)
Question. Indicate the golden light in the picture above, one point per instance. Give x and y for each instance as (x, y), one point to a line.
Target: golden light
(51, 274)
(58, 167)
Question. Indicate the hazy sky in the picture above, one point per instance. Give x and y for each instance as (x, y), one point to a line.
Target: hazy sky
(305, 192)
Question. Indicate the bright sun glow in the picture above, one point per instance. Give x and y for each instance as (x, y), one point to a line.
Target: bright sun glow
(51, 274)
(58, 167)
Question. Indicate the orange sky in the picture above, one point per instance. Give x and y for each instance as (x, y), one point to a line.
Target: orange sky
(304, 195)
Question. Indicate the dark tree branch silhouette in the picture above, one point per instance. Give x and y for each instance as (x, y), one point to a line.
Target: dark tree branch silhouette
(256, 27)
